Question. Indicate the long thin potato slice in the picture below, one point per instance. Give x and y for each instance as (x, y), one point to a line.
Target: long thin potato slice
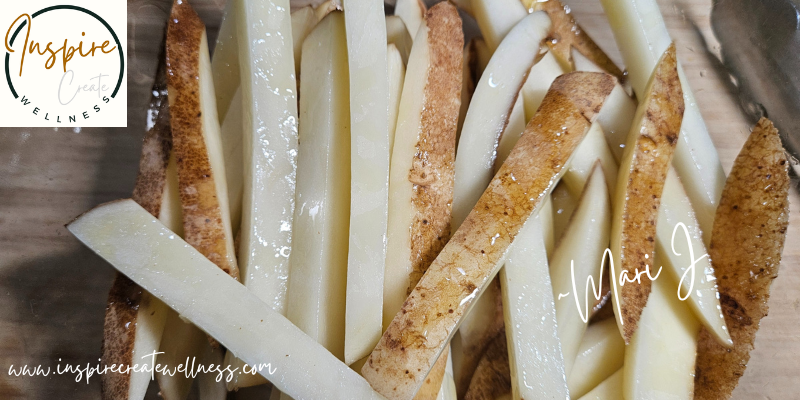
(594, 148)
(181, 341)
(492, 378)
(365, 26)
(579, 254)
(568, 35)
(303, 22)
(534, 350)
(397, 34)
(541, 76)
(134, 319)
(489, 111)
(642, 37)
(746, 246)
(470, 61)
(196, 140)
(616, 118)
(412, 12)
(225, 62)
(642, 171)
(564, 204)
(397, 75)
(318, 264)
(512, 132)
(660, 359)
(601, 353)
(609, 389)
(434, 309)
(448, 390)
(138, 245)
(496, 18)
(421, 179)
(232, 135)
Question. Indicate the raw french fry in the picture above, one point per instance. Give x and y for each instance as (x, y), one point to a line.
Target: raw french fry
(594, 148)
(609, 389)
(579, 254)
(315, 297)
(448, 390)
(513, 130)
(568, 35)
(546, 216)
(642, 37)
(583, 63)
(182, 341)
(483, 56)
(496, 18)
(398, 35)
(489, 111)
(616, 118)
(197, 143)
(602, 352)
(269, 115)
(412, 12)
(660, 359)
(564, 204)
(208, 387)
(369, 171)
(421, 178)
(134, 319)
(642, 171)
(492, 377)
(137, 244)
(534, 351)
(303, 22)
(436, 306)
(469, 65)
(225, 62)
(541, 76)
(397, 75)
(433, 382)
(746, 246)
(231, 132)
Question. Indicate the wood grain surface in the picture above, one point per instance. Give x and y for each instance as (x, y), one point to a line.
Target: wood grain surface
(53, 291)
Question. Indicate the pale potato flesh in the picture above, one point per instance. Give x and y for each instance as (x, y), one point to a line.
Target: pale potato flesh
(512, 132)
(397, 75)
(609, 389)
(564, 204)
(644, 166)
(496, 18)
(315, 297)
(594, 148)
(579, 255)
(137, 244)
(398, 35)
(541, 76)
(412, 12)
(181, 340)
(231, 131)
(225, 61)
(602, 351)
(746, 246)
(435, 307)
(303, 22)
(616, 118)
(534, 349)
(489, 110)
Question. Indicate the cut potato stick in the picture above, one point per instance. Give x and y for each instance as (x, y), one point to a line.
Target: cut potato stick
(469, 67)
(421, 178)
(196, 140)
(435, 307)
(433, 382)
(564, 204)
(397, 76)
(398, 35)
(208, 388)
(642, 37)
(642, 171)
(616, 118)
(303, 22)
(225, 62)
(134, 319)
(232, 135)
(483, 322)
(412, 12)
(609, 389)
(568, 35)
(182, 341)
(496, 18)
(594, 148)
(315, 298)
(138, 245)
(365, 26)
(514, 128)
(579, 254)
(582, 63)
(448, 390)
(534, 350)
(489, 111)
(601, 352)
(541, 76)
(492, 377)
(746, 246)
(660, 359)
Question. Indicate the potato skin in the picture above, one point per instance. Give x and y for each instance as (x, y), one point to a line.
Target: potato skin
(433, 310)
(746, 246)
(492, 377)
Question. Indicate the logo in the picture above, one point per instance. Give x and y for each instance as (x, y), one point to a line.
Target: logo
(63, 65)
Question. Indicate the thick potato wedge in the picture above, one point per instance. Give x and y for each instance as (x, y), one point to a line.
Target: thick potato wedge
(746, 246)
(602, 351)
(196, 140)
(496, 18)
(492, 377)
(434, 309)
(567, 34)
(644, 166)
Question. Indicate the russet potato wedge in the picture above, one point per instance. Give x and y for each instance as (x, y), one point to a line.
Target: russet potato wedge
(496, 18)
(434, 309)
(746, 246)
(609, 389)
(196, 140)
(534, 350)
(579, 254)
(643, 168)
(370, 154)
(489, 110)
(642, 37)
(134, 319)
(492, 378)
(142, 248)
(412, 12)
(567, 34)
(602, 352)
(315, 297)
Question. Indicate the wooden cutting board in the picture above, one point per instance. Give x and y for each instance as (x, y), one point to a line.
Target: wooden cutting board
(53, 291)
